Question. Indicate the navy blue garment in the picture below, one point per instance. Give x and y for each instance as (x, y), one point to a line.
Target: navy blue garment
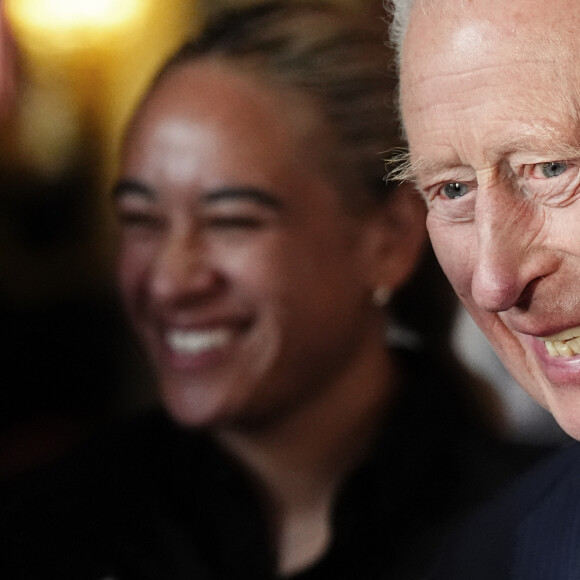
(532, 532)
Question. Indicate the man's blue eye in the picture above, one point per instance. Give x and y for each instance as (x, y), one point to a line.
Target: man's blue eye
(553, 168)
(455, 190)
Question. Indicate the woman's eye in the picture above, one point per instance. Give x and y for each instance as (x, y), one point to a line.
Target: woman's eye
(133, 218)
(454, 190)
(551, 169)
(242, 222)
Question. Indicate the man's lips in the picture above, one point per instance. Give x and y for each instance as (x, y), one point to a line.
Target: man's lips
(565, 343)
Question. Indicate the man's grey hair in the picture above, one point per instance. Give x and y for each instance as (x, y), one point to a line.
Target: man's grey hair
(400, 13)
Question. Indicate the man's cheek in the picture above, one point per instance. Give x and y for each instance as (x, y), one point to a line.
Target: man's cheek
(454, 260)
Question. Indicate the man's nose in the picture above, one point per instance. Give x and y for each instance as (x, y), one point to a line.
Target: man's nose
(509, 256)
(183, 271)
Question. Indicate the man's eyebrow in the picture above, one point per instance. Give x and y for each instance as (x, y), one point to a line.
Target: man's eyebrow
(253, 194)
(130, 187)
(401, 168)
(555, 150)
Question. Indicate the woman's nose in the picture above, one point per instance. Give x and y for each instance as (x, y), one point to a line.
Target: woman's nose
(183, 271)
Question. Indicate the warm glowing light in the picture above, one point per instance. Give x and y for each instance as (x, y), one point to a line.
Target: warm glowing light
(67, 14)
(73, 22)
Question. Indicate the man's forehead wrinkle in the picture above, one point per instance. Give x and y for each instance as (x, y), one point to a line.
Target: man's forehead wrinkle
(558, 128)
(457, 92)
(465, 69)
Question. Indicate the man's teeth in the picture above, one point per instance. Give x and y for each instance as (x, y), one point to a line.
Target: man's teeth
(194, 342)
(565, 343)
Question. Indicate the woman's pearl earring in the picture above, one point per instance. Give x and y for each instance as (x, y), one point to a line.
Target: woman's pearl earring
(381, 296)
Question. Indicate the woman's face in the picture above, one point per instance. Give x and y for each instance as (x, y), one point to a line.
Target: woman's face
(245, 278)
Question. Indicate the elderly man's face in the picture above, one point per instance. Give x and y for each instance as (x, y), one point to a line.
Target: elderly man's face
(491, 105)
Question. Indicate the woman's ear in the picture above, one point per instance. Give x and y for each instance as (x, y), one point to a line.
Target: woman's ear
(398, 235)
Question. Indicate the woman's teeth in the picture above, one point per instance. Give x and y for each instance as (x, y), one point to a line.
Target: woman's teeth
(565, 343)
(196, 341)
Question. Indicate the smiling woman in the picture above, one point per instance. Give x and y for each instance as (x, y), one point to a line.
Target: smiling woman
(243, 230)
(258, 249)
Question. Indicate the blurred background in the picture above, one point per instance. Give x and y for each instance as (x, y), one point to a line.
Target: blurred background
(72, 71)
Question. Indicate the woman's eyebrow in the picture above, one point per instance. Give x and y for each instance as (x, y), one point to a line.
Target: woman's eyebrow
(253, 194)
(128, 186)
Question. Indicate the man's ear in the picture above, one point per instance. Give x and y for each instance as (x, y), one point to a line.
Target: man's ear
(398, 235)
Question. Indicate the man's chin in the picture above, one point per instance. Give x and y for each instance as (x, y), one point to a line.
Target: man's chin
(563, 403)
(569, 422)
